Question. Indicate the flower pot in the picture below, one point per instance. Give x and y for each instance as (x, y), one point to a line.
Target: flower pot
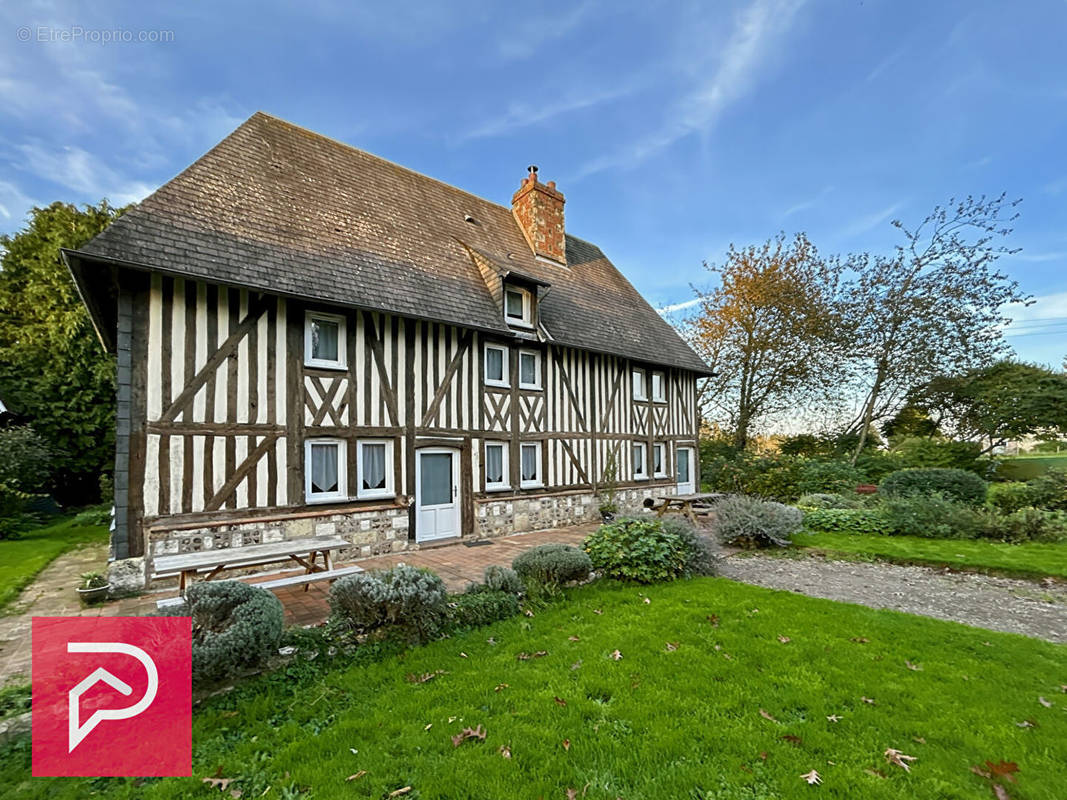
(94, 595)
(607, 516)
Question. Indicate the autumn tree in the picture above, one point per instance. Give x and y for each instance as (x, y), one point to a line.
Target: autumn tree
(769, 329)
(53, 371)
(995, 404)
(933, 307)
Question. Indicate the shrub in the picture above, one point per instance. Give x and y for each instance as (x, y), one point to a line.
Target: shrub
(552, 565)
(1027, 525)
(27, 462)
(933, 517)
(954, 484)
(750, 522)
(408, 601)
(502, 579)
(876, 464)
(235, 626)
(848, 520)
(472, 610)
(702, 552)
(637, 550)
(1009, 497)
(1050, 490)
(826, 476)
(925, 452)
(824, 500)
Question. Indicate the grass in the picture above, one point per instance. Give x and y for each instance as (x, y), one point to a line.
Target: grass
(1024, 468)
(736, 710)
(1031, 559)
(22, 558)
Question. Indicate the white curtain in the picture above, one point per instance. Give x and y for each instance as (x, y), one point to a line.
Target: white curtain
(494, 464)
(324, 468)
(324, 340)
(529, 462)
(494, 364)
(639, 460)
(527, 369)
(374, 466)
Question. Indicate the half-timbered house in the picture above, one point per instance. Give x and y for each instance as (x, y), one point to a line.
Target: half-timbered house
(312, 340)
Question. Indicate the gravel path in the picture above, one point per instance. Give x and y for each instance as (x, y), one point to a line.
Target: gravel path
(1000, 604)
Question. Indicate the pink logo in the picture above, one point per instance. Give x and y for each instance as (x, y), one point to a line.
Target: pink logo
(111, 696)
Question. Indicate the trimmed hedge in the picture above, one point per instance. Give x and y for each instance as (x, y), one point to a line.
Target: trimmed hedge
(751, 522)
(409, 601)
(954, 484)
(474, 609)
(934, 517)
(848, 520)
(549, 566)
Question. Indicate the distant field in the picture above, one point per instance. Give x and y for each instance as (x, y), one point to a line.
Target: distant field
(1023, 468)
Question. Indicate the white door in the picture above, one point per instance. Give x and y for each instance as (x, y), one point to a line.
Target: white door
(436, 494)
(684, 469)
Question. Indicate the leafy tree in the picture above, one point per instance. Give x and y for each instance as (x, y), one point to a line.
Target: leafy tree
(932, 308)
(26, 464)
(771, 328)
(53, 371)
(909, 421)
(994, 404)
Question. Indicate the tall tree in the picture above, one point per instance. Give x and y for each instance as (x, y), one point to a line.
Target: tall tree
(932, 308)
(53, 371)
(769, 329)
(995, 404)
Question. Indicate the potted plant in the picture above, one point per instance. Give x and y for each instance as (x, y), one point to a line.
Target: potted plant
(94, 587)
(608, 507)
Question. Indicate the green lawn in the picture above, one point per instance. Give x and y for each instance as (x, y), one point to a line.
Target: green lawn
(1033, 559)
(22, 558)
(735, 707)
(1023, 468)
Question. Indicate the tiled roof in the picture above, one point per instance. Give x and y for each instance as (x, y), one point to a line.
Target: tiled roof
(281, 209)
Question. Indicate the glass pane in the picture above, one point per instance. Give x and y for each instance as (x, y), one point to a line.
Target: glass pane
(657, 386)
(529, 462)
(494, 364)
(324, 335)
(373, 466)
(514, 304)
(657, 458)
(528, 368)
(435, 478)
(323, 468)
(682, 459)
(639, 384)
(639, 460)
(494, 463)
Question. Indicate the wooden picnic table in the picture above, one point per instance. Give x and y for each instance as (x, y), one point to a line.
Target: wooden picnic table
(306, 552)
(686, 504)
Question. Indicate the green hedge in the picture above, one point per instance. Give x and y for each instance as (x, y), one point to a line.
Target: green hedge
(954, 484)
(848, 520)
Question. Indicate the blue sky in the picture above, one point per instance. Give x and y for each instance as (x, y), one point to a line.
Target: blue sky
(672, 128)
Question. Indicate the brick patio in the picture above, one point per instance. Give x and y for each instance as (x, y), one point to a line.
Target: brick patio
(52, 593)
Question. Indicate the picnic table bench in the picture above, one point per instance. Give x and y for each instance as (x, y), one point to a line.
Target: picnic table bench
(306, 552)
(689, 505)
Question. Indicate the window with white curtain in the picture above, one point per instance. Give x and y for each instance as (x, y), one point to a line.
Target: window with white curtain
(640, 467)
(529, 369)
(659, 388)
(325, 476)
(518, 306)
(659, 460)
(375, 465)
(640, 392)
(496, 365)
(530, 464)
(324, 340)
(496, 466)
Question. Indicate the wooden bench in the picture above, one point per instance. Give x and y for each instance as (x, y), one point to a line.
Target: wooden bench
(305, 579)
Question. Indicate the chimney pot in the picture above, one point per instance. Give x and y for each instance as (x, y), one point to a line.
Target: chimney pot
(538, 208)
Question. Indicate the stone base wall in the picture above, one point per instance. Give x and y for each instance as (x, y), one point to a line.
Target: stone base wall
(516, 514)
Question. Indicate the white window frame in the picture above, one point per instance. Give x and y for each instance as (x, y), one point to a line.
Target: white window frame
(503, 365)
(526, 321)
(342, 472)
(389, 490)
(505, 477)
(537, 369)
(323, 363)
(661, 395)
(539, 481)
(643, 394)
(642, 462)
(666, 451)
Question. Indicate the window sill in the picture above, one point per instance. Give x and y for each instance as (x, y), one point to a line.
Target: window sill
(325, 365)
(661, 475)
(661, 401)
(531, 485)
(529, 387)
(380, 495)
(640, 398)
(518, 323)
(498, 384)
(497, 488)
(322, 500)
(640, 477)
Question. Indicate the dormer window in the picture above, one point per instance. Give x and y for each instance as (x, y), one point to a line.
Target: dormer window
(518, 306)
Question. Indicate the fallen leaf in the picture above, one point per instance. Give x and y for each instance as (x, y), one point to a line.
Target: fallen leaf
(500, 686)
(834, 718)
(236, 793)
(812, 777)
(357, 776)
(784, 639)
(527, 612)
(766, 715)
(714, 620)
(728, 657)
(912, 667)
(567, 744)
(1063, 688)
(1000, 793)
(868, 701)
(796, 741)
(754, 611)
(218, 783)
(451, 720)
(859, 639)
(400, 791)
(616, 655)
(424, 677)
(228, 714)
(647, 601)
(598, 611)
(1044, 702)
(505, 751)
(577, 664)
(463, 655)
(573, 639)
(491, 640)
(918, 739)
(524, 656)
(876, 773)
(468, 733)
(763, 755)
(672, 646)
(572, 794)
(560, 701)
(1026, 723)
(428, 726)
(898, 758)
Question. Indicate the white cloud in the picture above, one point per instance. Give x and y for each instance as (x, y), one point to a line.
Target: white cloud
(75, 169)
(667, 309)
(1038, 258)
(755, 38)
(1046, 308)
(871, 221)
(522, 115)
(804, 205)
(13, 203)
(536, 33)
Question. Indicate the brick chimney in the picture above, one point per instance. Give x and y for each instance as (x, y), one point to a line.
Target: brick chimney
(538, 208)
